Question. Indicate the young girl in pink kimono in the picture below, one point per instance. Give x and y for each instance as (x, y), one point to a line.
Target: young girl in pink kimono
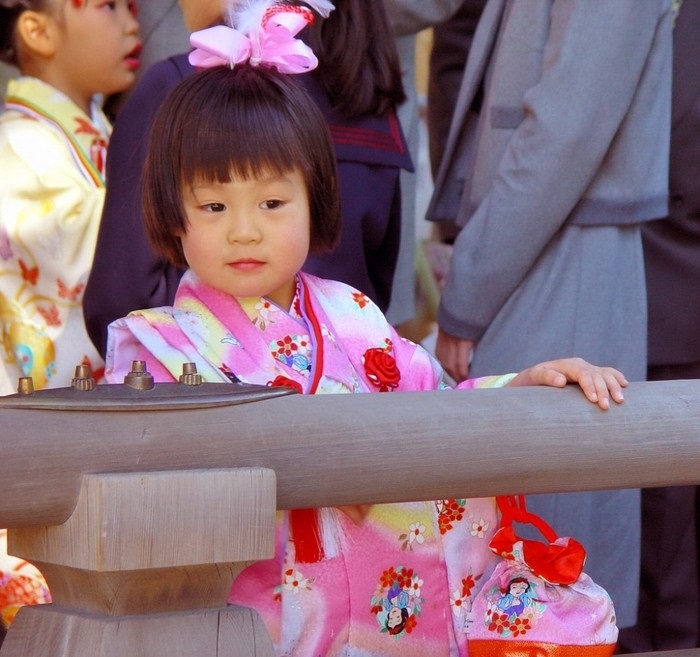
(240, 186)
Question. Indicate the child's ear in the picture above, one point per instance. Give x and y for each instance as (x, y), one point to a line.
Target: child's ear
(36, 31)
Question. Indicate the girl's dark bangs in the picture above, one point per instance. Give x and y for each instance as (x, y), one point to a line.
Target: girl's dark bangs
(243, 142)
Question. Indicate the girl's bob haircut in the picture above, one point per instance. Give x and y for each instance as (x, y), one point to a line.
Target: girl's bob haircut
(242, 122)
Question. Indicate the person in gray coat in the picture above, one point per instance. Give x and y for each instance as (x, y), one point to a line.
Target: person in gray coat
(557, 153)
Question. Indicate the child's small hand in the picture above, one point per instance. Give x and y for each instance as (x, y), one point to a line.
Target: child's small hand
(599, 384)
(357, 513)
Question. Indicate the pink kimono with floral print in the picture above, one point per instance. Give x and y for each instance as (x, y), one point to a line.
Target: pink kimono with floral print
(401, 581)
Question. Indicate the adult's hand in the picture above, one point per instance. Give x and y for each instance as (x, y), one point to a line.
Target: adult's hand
(454, 354)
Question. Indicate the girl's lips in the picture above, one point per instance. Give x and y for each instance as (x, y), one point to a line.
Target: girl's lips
(132, 59)
(246, 264)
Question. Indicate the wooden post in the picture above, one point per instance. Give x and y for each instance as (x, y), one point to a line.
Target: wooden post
(144, 566)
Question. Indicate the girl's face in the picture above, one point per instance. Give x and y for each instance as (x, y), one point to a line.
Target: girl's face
(97, 47)
(249, 238)
(200, 14)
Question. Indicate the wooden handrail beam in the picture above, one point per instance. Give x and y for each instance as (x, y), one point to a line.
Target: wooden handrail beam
(333, 449)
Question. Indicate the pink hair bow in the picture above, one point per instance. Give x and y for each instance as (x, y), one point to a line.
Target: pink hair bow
(272, 44)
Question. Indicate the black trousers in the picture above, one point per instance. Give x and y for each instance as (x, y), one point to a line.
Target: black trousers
(669, 596)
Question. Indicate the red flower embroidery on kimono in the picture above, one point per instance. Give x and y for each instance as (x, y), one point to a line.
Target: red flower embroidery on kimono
(286, 346)
(388, 577)
(381, 369)
(360, 299)
(520, 626)
(461, 598)
(449, 511)
(294, 351)
(499, 622)
(468, 584)
(404, 578)
(411, 622)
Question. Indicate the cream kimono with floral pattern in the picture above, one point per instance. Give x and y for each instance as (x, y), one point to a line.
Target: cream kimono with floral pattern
(51, 194)
(401, 581)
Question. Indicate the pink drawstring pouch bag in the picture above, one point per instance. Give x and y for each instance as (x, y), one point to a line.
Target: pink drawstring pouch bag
(538, 602)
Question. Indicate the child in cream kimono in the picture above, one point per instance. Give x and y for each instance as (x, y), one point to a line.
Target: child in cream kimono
(240, 186)
(53, 140)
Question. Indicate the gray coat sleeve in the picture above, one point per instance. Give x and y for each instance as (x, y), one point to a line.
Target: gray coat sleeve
(594, 57)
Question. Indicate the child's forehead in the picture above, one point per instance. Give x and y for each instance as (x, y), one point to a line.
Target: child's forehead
(237, 174)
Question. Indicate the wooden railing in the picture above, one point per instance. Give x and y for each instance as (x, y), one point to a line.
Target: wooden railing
(141, 518)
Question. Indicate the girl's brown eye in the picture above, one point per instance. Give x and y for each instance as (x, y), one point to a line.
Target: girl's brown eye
(215, 207)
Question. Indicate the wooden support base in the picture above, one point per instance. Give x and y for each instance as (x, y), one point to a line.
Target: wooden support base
(147, 591)
(144, 566)
(50, 631)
